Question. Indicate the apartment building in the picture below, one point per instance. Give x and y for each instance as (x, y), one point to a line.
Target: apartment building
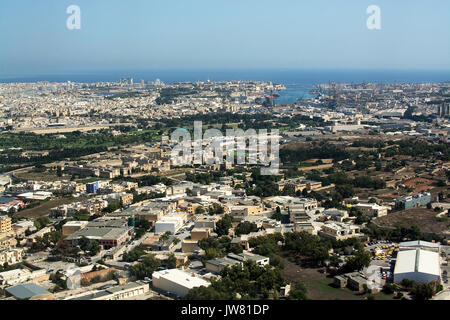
(414, 201)
(5, 224)
(10, 255)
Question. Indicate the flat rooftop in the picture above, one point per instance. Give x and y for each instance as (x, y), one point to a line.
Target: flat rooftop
(417, 260)
(182, 278)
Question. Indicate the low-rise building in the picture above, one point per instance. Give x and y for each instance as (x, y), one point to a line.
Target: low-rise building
(244, 210)
(336, 214)
(206, 222)
(414, 201)
(177, 282)
(188, 246)
(304, 227)
(218, 264)
(372, 209)
(72, 227)
(124, 292)
(200, 233)
(340, 231)
(16, 276)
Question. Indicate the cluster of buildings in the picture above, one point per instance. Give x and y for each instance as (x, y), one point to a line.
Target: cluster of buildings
(52, 107)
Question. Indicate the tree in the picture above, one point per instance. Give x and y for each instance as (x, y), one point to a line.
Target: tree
(223, 225)
(199, 210)
(250, 281)
(134, 254)
(94, 248)
(63, 248)
(41, 222)
(306, 248)
(171, 262)
(358, 261)
(82, 215)
(215, 208)
(145, 268)
(164, 237)
(299, 292)
(245, 227)
(83, 243)
(423, 291)
(112, 206)
(210, 253)
(389, 288)
(277, 215)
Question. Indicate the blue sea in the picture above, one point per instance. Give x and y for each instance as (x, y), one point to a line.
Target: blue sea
(298, 82)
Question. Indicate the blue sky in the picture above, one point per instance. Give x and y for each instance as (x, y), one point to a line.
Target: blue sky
(222, 34)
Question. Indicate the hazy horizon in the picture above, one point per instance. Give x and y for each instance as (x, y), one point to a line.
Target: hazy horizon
(215, 35)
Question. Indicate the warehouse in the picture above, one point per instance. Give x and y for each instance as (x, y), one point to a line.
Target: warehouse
(421, 266)
(177, 281)
(419, 244)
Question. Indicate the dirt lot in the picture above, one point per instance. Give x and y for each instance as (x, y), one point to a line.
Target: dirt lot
(424, 218)
(47, 176)
(419, 184)
(318, 285)
(44, 208)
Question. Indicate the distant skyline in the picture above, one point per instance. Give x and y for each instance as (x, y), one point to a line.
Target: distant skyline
(214, 34)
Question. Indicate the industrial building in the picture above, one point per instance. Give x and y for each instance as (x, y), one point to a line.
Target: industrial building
(109, 233)
(177, 282)
(168, 224)
(421, 266)
(419, 244)
(29, 291)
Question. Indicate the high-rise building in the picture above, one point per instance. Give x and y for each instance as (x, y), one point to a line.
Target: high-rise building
(443, 110)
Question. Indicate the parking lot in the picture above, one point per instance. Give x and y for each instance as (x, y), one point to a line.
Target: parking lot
(382, 250)
(383, 254)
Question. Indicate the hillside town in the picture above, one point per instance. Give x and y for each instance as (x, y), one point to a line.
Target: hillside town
(94, 206)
